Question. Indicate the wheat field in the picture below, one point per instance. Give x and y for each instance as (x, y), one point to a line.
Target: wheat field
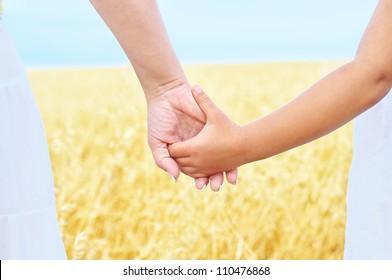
(113, 203)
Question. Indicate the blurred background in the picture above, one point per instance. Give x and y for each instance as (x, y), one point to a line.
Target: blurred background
(55, 32)
(251, 57)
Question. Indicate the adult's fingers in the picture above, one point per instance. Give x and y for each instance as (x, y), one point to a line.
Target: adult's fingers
(216, 182)
(205, 103)
(164, 161)
(201, 183)
(232, 176)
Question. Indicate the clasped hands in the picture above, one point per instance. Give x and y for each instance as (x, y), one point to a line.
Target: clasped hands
(188, 133)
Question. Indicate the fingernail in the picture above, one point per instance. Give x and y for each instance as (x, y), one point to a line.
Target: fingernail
(198, 89)
(201, 187)
(172, 177)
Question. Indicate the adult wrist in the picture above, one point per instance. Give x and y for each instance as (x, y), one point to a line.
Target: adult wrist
(164, 87)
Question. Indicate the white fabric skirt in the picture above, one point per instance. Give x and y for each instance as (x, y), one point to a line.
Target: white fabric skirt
(369, 194)
(28, 219)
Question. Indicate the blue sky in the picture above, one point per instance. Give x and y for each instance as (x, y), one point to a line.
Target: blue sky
(58, 32)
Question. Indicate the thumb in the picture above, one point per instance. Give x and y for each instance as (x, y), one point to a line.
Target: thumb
(180, 149)
(208, 107)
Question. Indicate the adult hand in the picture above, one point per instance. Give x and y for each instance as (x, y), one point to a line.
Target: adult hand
(174, 116)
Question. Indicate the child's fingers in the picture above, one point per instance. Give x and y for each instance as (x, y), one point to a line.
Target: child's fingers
(179, 149)
(184, 162)
(205, 103)
(194, 173)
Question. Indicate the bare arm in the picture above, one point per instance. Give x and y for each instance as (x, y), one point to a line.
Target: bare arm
(138, 26)
(334, 100)
(329, 104)
(173, 114)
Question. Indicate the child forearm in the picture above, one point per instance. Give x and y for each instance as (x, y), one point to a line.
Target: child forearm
(139, 29)
(334, 100)
(329, 104)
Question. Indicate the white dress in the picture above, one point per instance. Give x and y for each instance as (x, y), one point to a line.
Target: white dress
(28, 219)
(369, 195)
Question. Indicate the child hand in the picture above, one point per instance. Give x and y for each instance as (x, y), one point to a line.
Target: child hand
(215, 149)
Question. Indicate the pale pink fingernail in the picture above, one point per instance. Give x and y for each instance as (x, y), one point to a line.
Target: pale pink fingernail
(198, 89)
(172, 177)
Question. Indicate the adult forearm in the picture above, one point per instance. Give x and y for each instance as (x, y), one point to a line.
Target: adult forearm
(329, 104)
(138, 26)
